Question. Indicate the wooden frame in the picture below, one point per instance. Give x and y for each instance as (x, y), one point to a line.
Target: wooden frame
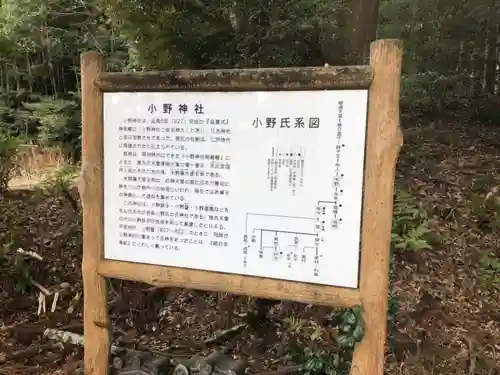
(384, 140)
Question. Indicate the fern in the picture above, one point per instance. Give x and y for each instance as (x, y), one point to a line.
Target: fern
(410, 224)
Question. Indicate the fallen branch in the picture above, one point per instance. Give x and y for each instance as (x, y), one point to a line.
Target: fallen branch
(41, 288)
(42, 305)
(66, 337)
(218, 336)
(54, 302)
(74, 303)
(31, 254)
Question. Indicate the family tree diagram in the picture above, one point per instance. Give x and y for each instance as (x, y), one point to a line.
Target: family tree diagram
(297, 241)
(294, 240)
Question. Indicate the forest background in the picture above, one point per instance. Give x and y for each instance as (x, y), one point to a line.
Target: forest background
(450, 61)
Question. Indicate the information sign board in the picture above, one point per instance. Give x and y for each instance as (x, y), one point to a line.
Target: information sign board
(272, 183)
(264, 184)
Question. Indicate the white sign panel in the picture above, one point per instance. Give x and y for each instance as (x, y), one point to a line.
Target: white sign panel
(255, 183)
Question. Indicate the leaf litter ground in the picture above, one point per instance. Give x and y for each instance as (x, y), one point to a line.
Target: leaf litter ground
(448, 320)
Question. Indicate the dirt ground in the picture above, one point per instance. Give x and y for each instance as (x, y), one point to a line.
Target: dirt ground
(448, 320)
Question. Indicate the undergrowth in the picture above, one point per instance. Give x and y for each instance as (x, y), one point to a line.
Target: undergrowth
(410, 224)
(17, 263)
(326, 349)
(318, 349)
(484, 203)
(61, 182)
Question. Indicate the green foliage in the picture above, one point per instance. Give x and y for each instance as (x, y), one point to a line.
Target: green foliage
(490, 271)
(9, 147)
(450, 59)
(60, 180)
(40, 43)
(410, 224)
(60, 123)
(47, 120)
(169, 34)
(431, 92)
(60, 183)
(40, 46)
(14, 119)
(326, 350)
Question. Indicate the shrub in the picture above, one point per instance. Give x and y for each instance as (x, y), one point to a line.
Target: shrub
(431, 92)
(60, 183)
(60, 123)
(325, 349)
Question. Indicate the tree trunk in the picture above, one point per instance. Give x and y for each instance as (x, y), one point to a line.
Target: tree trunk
(491, 57)
(7, 78)
(18, 77)
(461, 57)
(62, 74)
(2, 81)
(477, 70)
(359, 30)
(28, 70)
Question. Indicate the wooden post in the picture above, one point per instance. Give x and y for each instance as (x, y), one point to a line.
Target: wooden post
(95, 310)
(384, 140)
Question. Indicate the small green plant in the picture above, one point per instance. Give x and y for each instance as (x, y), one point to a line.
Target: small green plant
(9, 148)
(410, 224)
(327, 350)
(60, 183)
(490, 271)
(59, 180)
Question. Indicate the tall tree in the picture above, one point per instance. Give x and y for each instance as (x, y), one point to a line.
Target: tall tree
(359, 29)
